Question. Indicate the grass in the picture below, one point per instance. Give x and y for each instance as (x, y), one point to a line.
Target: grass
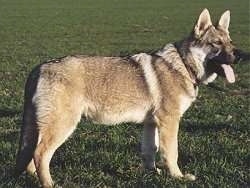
(214, 133)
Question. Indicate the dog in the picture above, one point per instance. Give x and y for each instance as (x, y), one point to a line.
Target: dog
(154, 89)
(241, 56)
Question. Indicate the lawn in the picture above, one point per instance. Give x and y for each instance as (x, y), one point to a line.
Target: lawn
(214, 134)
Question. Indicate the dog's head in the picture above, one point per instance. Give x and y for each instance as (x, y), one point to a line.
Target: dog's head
(212, 48)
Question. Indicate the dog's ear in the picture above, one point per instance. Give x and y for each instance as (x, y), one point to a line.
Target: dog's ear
(203, 23)
(224, 21)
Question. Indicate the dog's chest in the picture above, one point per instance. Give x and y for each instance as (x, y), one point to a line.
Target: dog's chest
(185, 102)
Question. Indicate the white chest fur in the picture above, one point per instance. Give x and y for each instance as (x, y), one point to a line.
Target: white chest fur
(185, 103)
(199, 56)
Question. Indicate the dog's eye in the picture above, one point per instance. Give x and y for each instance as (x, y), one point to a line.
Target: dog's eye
(218, 42)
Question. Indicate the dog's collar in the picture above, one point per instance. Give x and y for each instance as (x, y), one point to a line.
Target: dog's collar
(192, 74)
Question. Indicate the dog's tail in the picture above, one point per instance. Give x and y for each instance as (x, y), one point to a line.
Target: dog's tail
(29, 130)
(28, 141)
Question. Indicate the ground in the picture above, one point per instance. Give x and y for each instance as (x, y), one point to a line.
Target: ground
(214, 133)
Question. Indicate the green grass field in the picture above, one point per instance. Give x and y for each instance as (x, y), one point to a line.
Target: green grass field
(214, 134)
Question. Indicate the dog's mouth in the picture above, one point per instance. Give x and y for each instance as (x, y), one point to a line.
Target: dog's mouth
(228, 73)
(223, 70)
(221, 64)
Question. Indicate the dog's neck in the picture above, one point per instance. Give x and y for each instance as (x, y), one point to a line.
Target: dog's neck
(193, 59)
(171, 55)
(198, 54)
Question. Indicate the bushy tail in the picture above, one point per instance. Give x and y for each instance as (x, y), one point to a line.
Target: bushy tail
(28, 140)
(24, 156)
(29, 131)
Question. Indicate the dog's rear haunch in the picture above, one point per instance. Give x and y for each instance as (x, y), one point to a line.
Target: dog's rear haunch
(153, 89)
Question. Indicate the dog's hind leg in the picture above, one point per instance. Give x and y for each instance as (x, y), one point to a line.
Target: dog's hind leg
(51, 140)
(150, 144)
(57, 118)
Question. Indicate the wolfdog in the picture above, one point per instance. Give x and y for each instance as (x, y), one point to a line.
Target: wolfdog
(153, 89)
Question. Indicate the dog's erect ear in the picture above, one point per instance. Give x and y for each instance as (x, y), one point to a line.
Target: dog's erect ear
(204, 21)
(224, 21)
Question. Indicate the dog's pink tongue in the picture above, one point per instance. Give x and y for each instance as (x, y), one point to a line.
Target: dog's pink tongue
(229, 73)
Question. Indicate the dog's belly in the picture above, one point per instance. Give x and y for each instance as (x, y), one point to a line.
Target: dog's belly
(114, 116)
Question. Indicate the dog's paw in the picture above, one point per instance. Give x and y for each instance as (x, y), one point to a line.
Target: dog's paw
(158, 171)
(189, 177)
(185, 177)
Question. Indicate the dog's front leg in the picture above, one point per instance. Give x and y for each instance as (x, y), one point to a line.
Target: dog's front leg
(168, 130)
(150, 145)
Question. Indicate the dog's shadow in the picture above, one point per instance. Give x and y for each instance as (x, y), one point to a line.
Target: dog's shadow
(8, 113)
(185, 158)
(8, 177)
(196, 128)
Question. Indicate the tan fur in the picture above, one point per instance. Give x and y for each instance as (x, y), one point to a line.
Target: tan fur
(154, 90)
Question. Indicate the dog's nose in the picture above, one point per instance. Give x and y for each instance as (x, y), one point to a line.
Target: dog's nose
(240, 55)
